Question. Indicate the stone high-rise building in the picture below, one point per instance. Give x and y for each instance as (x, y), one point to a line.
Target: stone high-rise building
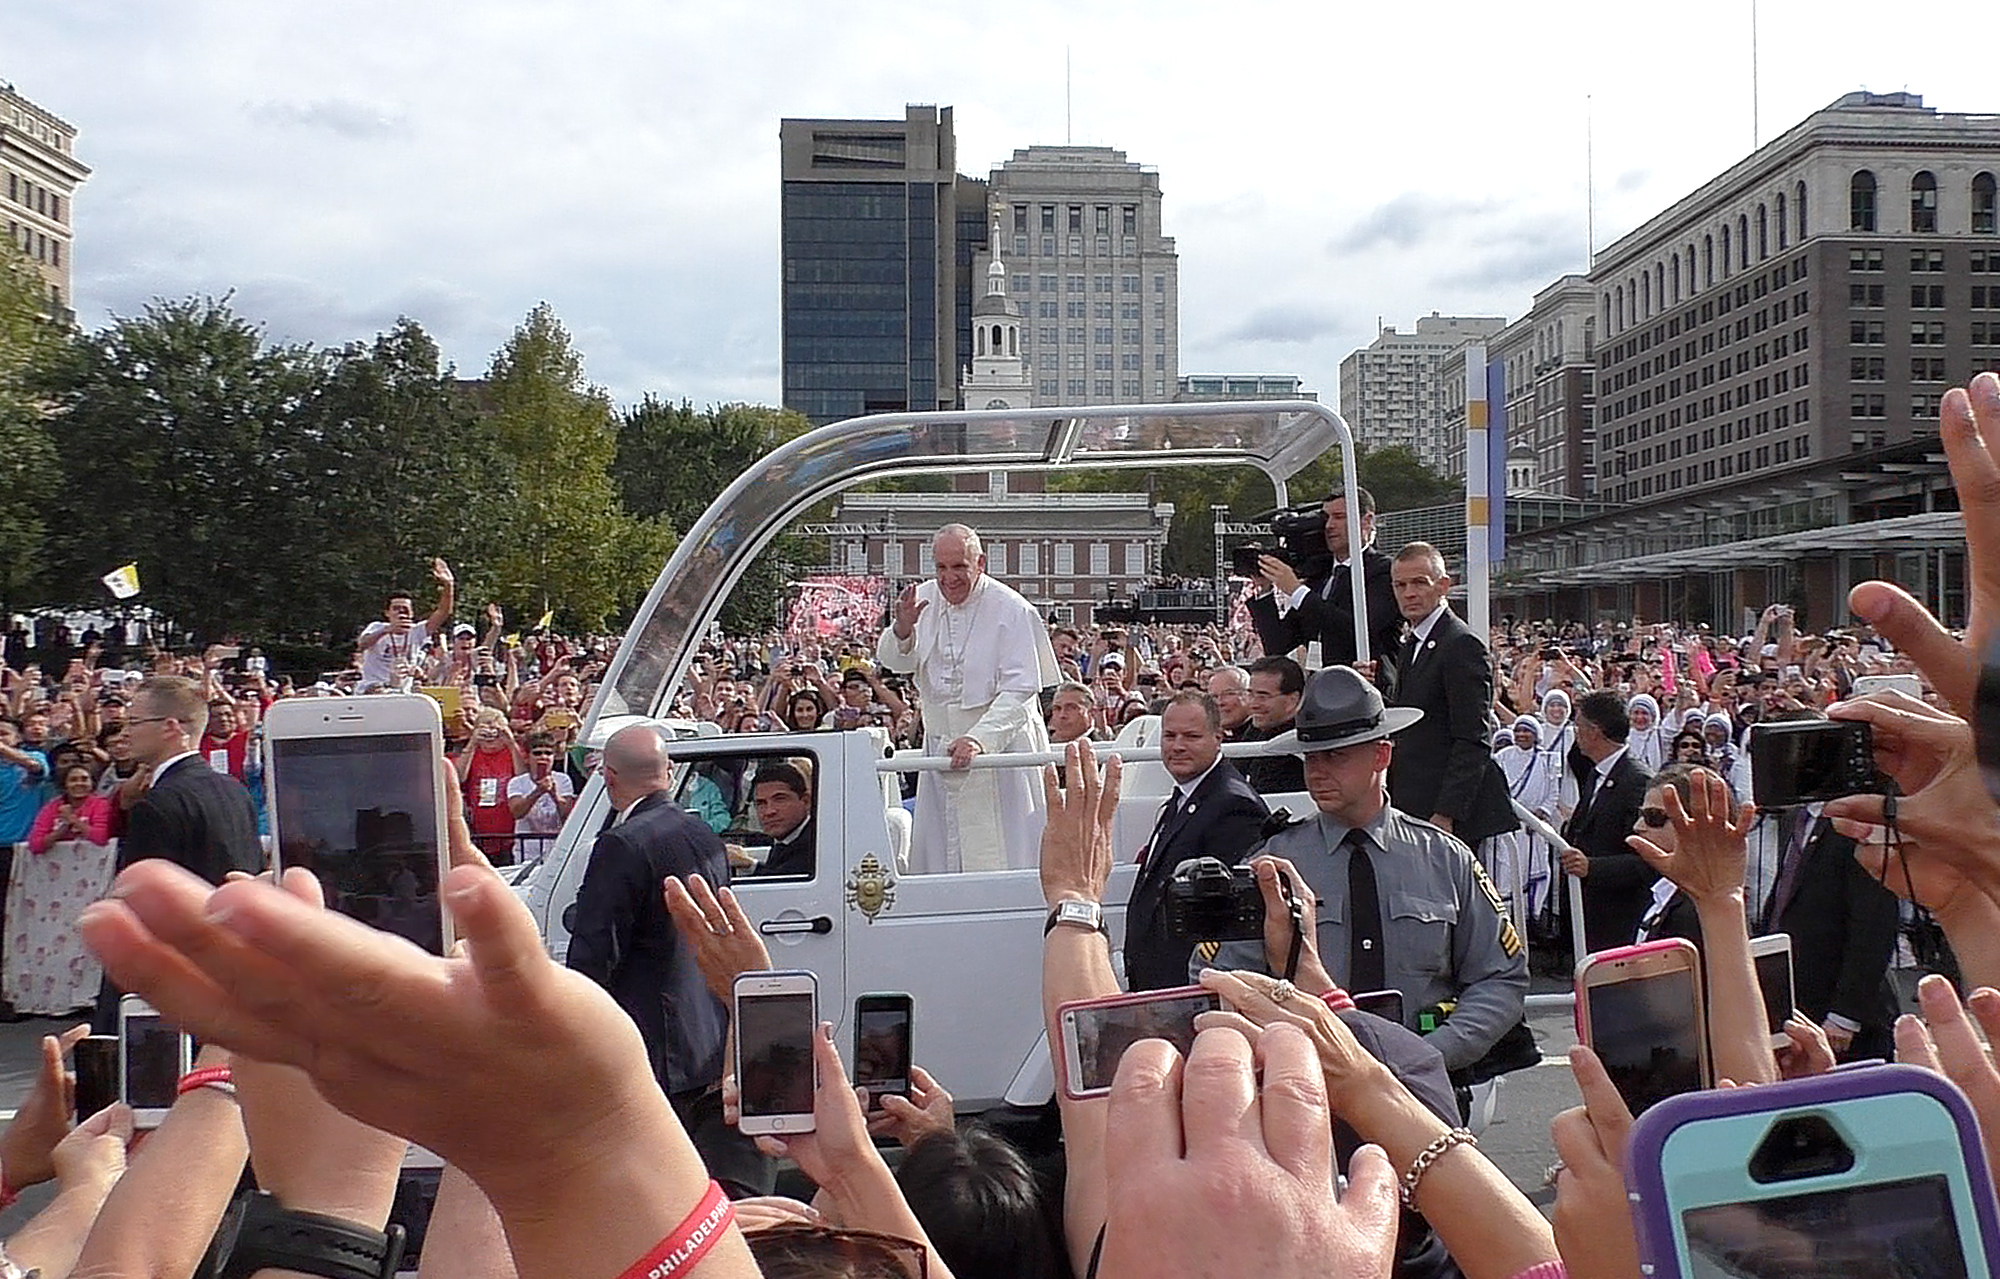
(39, 175)
(1389, 390)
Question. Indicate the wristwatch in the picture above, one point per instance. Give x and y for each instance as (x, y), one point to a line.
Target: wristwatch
(259, 1233)
(1077, 912)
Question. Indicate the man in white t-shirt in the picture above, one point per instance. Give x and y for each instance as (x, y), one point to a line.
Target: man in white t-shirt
(392, 649)
(540, 799)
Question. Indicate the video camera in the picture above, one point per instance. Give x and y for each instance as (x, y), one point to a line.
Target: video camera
(1300, 536)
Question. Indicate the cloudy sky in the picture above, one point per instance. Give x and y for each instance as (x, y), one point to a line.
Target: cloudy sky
(1325, 165)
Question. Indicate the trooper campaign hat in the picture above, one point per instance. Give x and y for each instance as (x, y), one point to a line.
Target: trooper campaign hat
(1342, 709)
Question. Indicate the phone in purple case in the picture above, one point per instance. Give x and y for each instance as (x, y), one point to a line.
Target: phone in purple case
(1867, 1170)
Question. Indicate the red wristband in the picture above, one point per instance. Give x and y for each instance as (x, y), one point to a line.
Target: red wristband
(688, 1242)
(1338, 1000)
(202, 1078)
(7, 1193)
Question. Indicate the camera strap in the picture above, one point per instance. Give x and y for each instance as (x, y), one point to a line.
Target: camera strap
(1298, 913)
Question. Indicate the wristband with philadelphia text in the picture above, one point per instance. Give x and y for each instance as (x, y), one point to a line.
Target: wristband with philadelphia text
(688, 1242)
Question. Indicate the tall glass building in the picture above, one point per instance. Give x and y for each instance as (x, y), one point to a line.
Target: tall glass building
(877, 264)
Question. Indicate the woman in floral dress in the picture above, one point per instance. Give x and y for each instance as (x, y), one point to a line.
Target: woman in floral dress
(46, 970)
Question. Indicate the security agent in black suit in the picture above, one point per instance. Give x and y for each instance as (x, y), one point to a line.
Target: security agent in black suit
(1843, 925)
(1443, 769)
(623, 939)
(1276, 685)
(784, 801)
(1320, 606)
(1611, 789)
(190, 814)
(1212, 813)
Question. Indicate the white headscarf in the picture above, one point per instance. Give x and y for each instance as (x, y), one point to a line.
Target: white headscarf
(1647, 745)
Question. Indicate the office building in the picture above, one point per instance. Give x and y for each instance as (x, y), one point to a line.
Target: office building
(1389, 390)
(1097, 280)
(1548, 358)
(39, 175)
(1772, 350)
(877, 232)
(1198, 388)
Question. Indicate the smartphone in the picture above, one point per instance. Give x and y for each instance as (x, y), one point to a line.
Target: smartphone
(882, 1045)
(354, 797)
(1811, 761)
(1866, 684)
(1243, 561)
(1772, 955)
(777, 1015)
(153, 1054)
(97, 1075)
(1095, 1033)
(1875, 1170)
(1640, 1010)
(1386, 1004)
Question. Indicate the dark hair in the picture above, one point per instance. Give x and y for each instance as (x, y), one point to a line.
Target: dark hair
(804, 695)
(543, 741)
(1361, 495)
(782, 772)
(1209, 709)
(1291, 676)
(981, 1206)
(1606, 710)
(1688, 736)
(1794, 715)
(1681, 778)
(816, 1252)
(62, 779)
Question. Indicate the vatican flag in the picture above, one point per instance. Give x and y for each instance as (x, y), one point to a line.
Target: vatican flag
(123, 582)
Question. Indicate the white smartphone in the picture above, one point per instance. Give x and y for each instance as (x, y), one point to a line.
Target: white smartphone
(1866, 684)
(1639, 1008)
(354, 798)
(1772, 954)
(777, 1015)
(153, 1054)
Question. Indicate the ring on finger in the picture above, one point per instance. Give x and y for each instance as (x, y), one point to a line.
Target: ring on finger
(1555, 1171)
(1282, 992)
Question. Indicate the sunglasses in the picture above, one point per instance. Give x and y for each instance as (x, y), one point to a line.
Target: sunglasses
(1655, 818)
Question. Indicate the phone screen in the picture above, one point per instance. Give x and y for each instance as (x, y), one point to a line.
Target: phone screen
(361, 813)
(1386, 1004)
(1774, 979)
(774, 1044)
(152, 1061)
(1892, 1229)
(1103, 1034)
(1648, 1035)
(416, 1196)
(96, 1074)
(882, 1046)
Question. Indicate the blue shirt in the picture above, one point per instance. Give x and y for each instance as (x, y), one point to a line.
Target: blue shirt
(20, 796)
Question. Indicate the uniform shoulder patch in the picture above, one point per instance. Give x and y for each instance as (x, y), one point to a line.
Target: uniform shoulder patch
(1510, 940)
(1208, 950)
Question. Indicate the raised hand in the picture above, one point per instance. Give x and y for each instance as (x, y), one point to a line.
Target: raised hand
(713, 924)
(1708, 861)
(908, 610)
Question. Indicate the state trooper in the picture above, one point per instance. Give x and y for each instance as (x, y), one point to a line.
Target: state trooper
(1400, 904)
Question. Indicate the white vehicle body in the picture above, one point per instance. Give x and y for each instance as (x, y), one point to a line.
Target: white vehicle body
(968, 946)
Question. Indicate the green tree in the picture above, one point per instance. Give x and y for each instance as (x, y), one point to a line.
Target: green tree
(673, 461)
(566, 542)
(384, 464)
(168, 421)
(31, 344)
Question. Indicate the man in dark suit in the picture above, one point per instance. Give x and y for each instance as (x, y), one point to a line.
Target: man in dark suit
(1320, 606)
(1443, 769)
(1611, 789)
(1276, 685)
(783, 798)
(624, 940)
(190, 814)
(1212, 813)
(1843, 926)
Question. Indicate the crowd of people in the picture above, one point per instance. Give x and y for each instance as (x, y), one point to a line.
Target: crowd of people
(1453, 786)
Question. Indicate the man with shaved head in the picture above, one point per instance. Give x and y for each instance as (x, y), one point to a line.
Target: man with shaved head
(623, 939)
(981, 656)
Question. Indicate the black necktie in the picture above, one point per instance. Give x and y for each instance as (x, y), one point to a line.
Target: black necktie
(1588, 791)
(1408, 657)
(1364, 918)
(1170, 810)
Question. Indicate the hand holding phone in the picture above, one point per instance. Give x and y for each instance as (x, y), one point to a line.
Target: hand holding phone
(882, 1046)
(777, 1020)
(153, 1054)
(1639, 1008)
(1096, 1032)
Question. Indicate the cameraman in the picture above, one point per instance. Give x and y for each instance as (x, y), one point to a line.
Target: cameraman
(1291, 610)
(1430, 923)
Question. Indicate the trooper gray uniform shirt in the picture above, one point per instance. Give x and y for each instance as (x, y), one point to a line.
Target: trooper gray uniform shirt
(1444, 933)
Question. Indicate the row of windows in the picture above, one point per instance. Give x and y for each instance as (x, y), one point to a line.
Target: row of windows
(1100, 218)
(1651, 292)
(34, 244)
(1863, 215)
(33, 195)
(1875, 368)
(1741, 462)
(1026, 555)
(1051, 246)
(1874, 404)
(1076, 388)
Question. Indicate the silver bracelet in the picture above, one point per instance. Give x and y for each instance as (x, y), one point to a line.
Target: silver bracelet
(1429, 1155)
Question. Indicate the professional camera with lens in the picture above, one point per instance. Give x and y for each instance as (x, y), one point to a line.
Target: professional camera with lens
(1208, 901)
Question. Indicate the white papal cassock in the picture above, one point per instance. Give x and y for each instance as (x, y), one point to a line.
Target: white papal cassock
(980, 668)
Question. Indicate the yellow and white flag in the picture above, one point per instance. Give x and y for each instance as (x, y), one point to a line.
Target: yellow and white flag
(123, 582)
(547, 617)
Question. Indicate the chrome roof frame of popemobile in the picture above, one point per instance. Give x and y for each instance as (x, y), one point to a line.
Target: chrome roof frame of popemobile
(1277, 437)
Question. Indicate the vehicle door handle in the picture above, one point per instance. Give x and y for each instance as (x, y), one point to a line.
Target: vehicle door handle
(818, 924)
